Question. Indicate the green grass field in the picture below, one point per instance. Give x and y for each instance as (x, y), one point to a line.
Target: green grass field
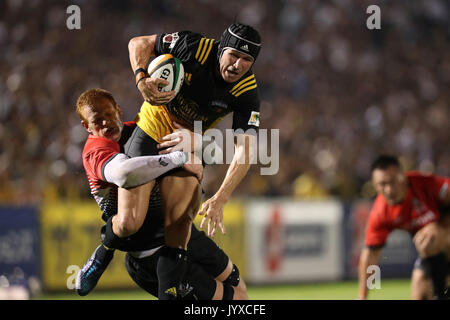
(390, 290)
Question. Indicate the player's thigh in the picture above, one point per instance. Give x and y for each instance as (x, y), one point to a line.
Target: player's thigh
(181, 192)
(204, 251)
(435, 243)
(143, 272)
(133, 203)
(421, 286)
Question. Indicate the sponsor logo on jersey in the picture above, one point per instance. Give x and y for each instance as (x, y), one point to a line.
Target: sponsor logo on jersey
(254, 119)
(171, 38)
(218, 105)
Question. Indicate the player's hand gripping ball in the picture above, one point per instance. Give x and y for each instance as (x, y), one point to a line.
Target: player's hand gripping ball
(169, 68)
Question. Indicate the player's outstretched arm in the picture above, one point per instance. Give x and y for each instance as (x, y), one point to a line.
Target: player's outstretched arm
(128, 172)
(368, 257)
(212, 209)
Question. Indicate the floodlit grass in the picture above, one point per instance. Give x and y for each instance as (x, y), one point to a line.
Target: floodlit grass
(390, 290)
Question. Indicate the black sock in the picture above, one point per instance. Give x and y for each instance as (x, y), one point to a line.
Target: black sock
(104, 255)
(110, 240)
(228, 292)
(171, 270)
(436, 268)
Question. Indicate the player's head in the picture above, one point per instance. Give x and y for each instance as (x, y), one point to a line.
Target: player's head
(100, 114)
(238, 50)
(388, 179)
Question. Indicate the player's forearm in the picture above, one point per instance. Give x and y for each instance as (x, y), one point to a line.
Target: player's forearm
(132, 172)
(236, 172)
(368, 257)
(234, 176)
(140, 50)
(244, 155)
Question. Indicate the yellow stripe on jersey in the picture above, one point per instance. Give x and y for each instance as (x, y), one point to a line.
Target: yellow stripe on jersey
(214, 124)
(245, 85)
(154, 121)
(211, 42)
(244, 90)
(203, 50)
(187, 77)
(199, 48)
(238, 86)
(205, 47)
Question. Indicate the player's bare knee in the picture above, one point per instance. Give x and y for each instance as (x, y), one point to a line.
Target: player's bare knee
(125, 226)
(431, 249)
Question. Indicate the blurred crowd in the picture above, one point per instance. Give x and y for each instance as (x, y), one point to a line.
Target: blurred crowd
(338, 92)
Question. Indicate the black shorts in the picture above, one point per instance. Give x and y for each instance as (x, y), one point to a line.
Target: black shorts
(418, 264)
(141, 144)
(208, 262)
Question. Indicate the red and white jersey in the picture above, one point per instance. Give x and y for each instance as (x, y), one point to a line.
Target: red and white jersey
(97, 152)
(420, 206)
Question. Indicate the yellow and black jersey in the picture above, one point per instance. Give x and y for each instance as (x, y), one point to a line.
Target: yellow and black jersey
(204, 96)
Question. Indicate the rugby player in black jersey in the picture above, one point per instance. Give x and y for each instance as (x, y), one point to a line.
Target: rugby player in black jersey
(107, 168)
(218, 81)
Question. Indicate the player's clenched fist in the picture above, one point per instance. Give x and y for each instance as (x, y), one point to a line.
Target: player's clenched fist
(149, 90)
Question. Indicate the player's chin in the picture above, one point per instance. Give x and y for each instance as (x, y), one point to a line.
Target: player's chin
(231, 77)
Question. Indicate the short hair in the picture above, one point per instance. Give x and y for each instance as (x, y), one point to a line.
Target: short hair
(384, 161)
(90, 98)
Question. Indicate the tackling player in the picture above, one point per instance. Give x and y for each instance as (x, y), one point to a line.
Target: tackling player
(413, 202)
(107, 168)
(218, 81)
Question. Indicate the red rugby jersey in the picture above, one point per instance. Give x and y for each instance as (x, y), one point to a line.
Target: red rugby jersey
(96, 154)
(421, 206)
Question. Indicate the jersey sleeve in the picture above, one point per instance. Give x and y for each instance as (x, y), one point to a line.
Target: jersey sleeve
(97, 155)
(182, 45)
(246, 108)
(440, 186)
(377, 230)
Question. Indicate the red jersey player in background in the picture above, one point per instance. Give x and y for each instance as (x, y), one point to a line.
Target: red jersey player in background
(414, 202)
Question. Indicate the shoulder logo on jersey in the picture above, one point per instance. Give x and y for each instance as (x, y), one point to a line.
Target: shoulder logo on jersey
(244, 47)
(244, 85)
(203, 50)
(171, 38)
(254, 119)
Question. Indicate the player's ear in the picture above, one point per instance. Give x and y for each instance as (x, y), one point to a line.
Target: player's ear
(85, 126)
(119, 109)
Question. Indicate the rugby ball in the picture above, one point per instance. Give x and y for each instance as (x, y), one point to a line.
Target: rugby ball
(169, 68)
